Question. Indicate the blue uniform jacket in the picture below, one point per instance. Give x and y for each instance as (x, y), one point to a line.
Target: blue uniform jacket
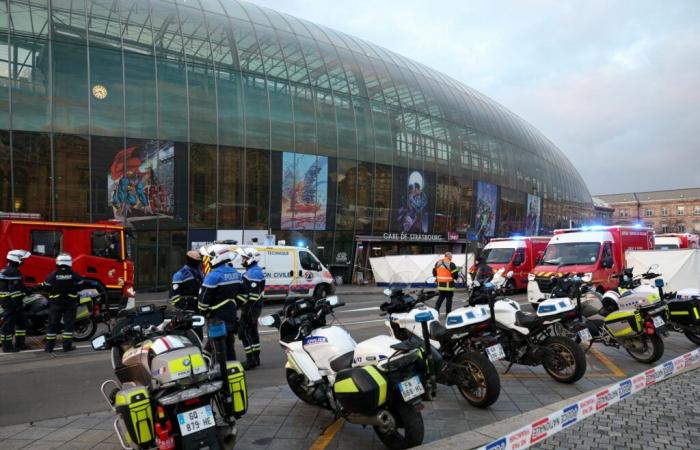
(253, 284)
(186, 283)
(219, 291)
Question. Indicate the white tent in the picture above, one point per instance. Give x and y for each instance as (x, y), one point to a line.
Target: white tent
(679, 268)
(413, 269)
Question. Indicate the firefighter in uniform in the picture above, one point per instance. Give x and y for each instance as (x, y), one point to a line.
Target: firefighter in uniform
(220, 289)
(12, 292)
(446, 273)
(63, 286)
(186, 283)
(251, 303)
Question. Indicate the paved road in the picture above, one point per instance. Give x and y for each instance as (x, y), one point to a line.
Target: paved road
(665, 416)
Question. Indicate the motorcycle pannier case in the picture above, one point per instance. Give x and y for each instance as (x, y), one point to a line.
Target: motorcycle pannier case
(134, 406)
(685, 308)
(237, 398)
(360, 390)
(624, 323)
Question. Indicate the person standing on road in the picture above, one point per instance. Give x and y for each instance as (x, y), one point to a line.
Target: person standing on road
(251, 305)
(186, 283)
(220, 289)
(63, 286)
(446, 273)
(12, 292)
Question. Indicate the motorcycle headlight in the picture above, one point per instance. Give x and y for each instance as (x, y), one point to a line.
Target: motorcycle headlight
(130, 292)
(181, 396)
(530, 277)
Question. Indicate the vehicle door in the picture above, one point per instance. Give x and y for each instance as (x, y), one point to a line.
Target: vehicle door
(521, 267)
(105, 262)
(309, 273)
(45, 246)
(279, 266)
(608, 266)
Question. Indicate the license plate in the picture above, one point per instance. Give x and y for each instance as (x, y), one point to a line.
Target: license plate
(411, 388)
(658, 322)
(196, 420)
(585, 335)
(495, 352)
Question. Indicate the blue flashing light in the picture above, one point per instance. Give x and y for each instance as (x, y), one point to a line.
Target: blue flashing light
(638, 225)
(300, 244)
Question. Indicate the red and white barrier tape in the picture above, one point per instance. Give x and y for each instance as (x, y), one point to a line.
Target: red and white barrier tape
(560, 420)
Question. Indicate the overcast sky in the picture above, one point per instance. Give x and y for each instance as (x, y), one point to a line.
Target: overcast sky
(614, 84)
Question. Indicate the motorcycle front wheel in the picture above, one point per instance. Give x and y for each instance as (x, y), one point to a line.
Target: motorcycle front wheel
(409, 428)
(569, 363)
(480, 384)
(85, 329)
(646, 348)
(297, 384)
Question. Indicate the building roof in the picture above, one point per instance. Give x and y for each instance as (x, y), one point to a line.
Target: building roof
(599, 203)
(634, 197)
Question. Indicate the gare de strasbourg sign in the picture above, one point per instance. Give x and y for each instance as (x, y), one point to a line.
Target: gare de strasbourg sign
(419, 237)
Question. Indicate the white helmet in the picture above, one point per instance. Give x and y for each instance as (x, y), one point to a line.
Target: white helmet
(18, 256)
(217, 253)
(249, 253)
(64, 259)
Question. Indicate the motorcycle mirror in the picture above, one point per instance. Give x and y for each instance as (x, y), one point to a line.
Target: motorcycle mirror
(198, 321)
(332, 300)
(267, 321)
(431, 280)
(387, 292)
(100, 342)
(653, 267)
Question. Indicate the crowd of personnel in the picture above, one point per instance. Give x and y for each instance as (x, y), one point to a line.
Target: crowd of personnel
(223, 294)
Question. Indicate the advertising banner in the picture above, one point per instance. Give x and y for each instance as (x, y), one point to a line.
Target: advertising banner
(532, 219)
(413, 211)
(486, 210)
(304, 191)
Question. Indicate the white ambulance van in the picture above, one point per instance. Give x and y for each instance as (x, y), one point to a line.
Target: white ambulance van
(291, 272)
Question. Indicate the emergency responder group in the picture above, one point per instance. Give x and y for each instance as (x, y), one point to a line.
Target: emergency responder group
(222, 292)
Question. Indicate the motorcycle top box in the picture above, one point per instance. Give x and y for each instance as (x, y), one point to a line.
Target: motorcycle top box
(360, 389)
(685, 308)
(170, 358)
(463, 319)
(625, 323)
(553, 307)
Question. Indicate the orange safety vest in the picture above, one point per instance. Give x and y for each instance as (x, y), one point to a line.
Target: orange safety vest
(443, 273)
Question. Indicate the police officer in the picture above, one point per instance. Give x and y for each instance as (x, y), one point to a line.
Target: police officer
(12, 292)
(63, 286)
(220, 289)
(186, 283)
(251, 300)
(446, 273)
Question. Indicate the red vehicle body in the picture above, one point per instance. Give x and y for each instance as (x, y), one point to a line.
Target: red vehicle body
(677, 240)
(516, 254)
(99, 251)
(599, 251)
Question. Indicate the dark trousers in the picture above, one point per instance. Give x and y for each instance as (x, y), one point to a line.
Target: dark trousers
(445, 295)
(61, 311)
(248, 333)
(15, 325)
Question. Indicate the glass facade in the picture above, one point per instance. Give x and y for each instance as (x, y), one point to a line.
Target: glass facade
(184, 117)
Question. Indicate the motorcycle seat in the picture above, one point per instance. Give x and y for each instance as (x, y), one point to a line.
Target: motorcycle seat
(526, 320)
(342, 362)
(437, 330)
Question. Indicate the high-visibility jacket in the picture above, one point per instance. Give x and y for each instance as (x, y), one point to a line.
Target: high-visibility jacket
(446, 273)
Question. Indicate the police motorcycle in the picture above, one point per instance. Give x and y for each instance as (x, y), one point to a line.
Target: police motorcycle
(168, 393)
(375, 382)
(530, 339)
(683, 306)
(36, 308)
(457, 352)
(629, 318)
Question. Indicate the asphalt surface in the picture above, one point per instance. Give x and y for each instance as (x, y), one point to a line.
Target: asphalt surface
(37, 386)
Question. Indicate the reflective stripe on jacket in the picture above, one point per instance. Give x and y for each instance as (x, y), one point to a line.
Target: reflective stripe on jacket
(446, 272)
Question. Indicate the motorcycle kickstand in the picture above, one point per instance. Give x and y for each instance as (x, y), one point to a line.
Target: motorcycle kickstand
(590, 344)
(508, 368)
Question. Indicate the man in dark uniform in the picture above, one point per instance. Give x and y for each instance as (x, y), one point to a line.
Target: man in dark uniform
(186, 283)
(220, 289)
(251, 301)
(63, 286)
(12, 292)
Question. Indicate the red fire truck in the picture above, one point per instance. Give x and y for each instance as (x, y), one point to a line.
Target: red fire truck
(517, 254)
(100, 253)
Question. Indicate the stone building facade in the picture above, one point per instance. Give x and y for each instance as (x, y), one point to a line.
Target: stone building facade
(672, 211)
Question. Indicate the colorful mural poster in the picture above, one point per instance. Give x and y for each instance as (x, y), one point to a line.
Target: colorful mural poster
(413, 213)
(532, 219)
(304, 191)
(141, 180)
(486, 209)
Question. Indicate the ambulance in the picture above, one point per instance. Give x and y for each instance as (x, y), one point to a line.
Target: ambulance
(290, 272)
(672, 241)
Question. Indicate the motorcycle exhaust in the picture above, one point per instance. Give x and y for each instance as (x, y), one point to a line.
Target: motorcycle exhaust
(383, 419)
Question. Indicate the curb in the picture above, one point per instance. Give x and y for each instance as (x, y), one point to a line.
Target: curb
(488, 433)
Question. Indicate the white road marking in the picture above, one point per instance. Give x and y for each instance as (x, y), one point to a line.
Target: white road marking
(373, 308)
